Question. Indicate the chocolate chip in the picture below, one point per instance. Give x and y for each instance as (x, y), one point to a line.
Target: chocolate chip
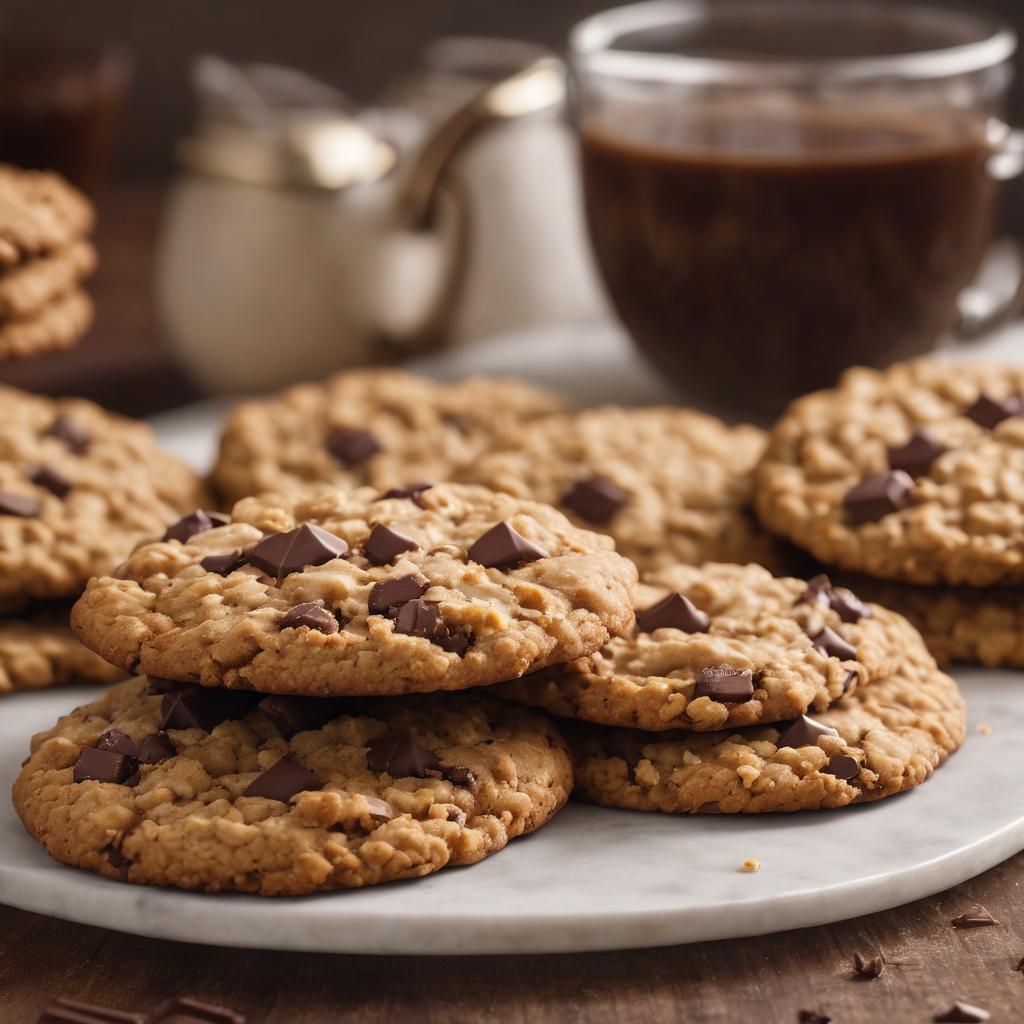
(818, 591)
(117, 742)
(813, 1017)
(224, 565)
(401, 756)
(154, 749)
(283, 781)
(412, 491)
(281, 554)
(194, 523)
(195, 707)
(849, 606)
(312, 614)
(352, 445)
(878, 495)
(725, 684)
(422, 619)
(71, 1011)
(868, 967)
(457, 775)
(184, 1010)
(917, 455)
(830, 643)
(674, 611)
(842, 766)
(18, 505)
(804, 732)
(989, 412)
(102, 766)
(292, 715)
(389, 594)
(596, 499)
(501, 547)
(49, 479)
(974, 919)
(384, 544)
(963, 1013)
(72, 433)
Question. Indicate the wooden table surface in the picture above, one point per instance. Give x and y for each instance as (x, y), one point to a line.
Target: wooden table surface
(768, 980)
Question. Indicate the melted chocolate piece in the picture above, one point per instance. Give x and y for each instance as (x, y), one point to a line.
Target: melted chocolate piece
(804, 732)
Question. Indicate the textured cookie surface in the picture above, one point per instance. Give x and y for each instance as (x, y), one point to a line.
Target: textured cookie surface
(739, 617)
(387, 428)
(79, 487)
(888, 737)
(57, 326)
(670, 485)
(405, 594)
(367, 792)
(40, 213)
(40, 650)
(914, 473)
(29, 288)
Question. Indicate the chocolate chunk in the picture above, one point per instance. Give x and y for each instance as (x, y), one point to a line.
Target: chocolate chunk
(312, 614)
(384, 544)
(281, 554)
(804, 732)
(596, 500)
(71, 1011)
(154, 750)
(917, 455)
(352, 445)
(848, 605)
(501, 547)
(725, 684)
(458, 775)
(412, 491)
(283, 781)
(813, 1017)
(674, 611)
(224, 565)
(73, 434)
(292, 715)
(868, 967)
(400, 756)
(878, 495)
(819, 591)
(963, 1013)
(422, 619)
(974, 919)
(102, 766)
(184, 1010)
(842, 766)
(118, 742)
(389, 594)
(56, 483)
(195, 707)
(194, 523)
(18, 505)
(830, 643)
(990, 412)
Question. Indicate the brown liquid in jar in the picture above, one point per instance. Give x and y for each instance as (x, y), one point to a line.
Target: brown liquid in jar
(752, 259)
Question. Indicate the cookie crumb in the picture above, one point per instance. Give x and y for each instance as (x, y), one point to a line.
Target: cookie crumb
(750, 865)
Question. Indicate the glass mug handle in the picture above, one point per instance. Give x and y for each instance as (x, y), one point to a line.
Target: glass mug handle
(987, 304)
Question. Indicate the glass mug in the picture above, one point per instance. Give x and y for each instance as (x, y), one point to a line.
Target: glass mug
(778, 189)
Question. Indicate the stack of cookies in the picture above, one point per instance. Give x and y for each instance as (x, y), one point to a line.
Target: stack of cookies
(45, 255)
(910, 482)
(351, 678)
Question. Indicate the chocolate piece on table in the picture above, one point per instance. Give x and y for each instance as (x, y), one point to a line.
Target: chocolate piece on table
(283, 780)
(102, 766)
(963, 1013)
(54, 482)
(974, 919)
(71, 1011)
(878, 495)
(195, 707)
(989, 412)
(292, 715)
(674, 611)
(917, 455)
(868, 967)
(842, 766)
(830, 643)
(502, 547)
(596, 499)
(312, 614)
(194, 523)
(281, 554)
(18, 505)
(391, 594)
(185, 1010)
(725, 684)
(384, 544)
(352, 445)
(804, 732)
(72, 433)
(224, 565)
(412, 491)
(401, 756)
(422, 619)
